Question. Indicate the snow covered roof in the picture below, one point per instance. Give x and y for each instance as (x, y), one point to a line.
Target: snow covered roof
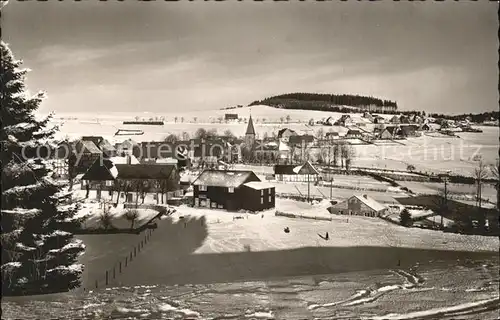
(258, 185)
(89, 146)
(223, 178)
(370, 202)
(123, 160)
(144, 171)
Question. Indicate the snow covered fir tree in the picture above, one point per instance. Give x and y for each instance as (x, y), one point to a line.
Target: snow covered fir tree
(39, 251)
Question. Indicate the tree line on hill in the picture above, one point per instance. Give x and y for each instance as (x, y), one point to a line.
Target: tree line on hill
(317, 100)
(477, 118)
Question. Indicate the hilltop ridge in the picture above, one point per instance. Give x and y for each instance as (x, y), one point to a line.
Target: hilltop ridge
(329, 102)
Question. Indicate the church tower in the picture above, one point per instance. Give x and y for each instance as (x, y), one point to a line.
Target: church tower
(250, 133)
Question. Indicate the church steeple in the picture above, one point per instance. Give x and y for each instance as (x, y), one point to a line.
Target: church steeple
(250, 128)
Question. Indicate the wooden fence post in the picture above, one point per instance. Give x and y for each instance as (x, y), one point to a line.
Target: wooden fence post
(130, 256)
(106, 277)
(114, 272)
(126, 261)
(120, 267)
(135, 251)
(96, 284)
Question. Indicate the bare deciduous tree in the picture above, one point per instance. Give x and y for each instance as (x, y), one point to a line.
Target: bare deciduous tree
(105, 218)
(131, 215)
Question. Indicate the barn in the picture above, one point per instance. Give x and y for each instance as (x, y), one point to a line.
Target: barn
(359, 206)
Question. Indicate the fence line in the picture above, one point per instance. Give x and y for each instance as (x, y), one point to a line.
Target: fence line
(119, 267)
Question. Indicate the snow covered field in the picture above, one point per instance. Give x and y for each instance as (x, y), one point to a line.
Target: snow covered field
(266, 233)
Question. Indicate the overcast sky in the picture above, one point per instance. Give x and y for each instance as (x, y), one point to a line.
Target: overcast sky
(165, 56)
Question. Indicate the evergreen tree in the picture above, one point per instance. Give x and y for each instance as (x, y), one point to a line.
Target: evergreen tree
(405, 218)
(39, 252)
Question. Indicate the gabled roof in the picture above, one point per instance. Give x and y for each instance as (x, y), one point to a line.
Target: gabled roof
(306, 138)
(144, 171)
(370, 202)
(284, 169)
(250, 128)
(353, 131)
(294, 169)
(101, 171)
(391, 130)
(332, 133)
(106, 146)
(224, 178)
(281, 131)
(95, 139)
(306, 168)
(88, 147)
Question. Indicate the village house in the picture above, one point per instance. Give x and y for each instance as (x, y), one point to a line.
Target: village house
(107, 149)
(409, 130)
(332, 135)
(267, 152)
(163, 152)
(128, 146)
(392, 132)
(231, 117)
(128, 178)
(293, 173)
(415, 118)
(359, 206)
(395, 120)
(232, 190)
(353, 134)
(404, 119)
(285, 134)
(302, 140)
(378, 119)
(368, 116)
(330, 121)
(345, 120)
(86, 153)
(430, 127)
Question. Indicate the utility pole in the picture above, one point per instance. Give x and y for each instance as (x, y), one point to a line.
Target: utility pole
(331, 187)
(445, 198)
(308, 188)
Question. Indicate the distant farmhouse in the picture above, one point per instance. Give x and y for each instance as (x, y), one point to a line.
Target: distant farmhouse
(353, 134)
(232, 190)
(230, 116)
(359, 206)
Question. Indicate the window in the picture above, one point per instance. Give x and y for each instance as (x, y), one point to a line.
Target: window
(261, 200)
(230, 190)
(261, 193)
(202, 188)
(109, 183)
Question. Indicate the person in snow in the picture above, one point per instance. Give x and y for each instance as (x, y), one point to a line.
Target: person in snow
(326, 236)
